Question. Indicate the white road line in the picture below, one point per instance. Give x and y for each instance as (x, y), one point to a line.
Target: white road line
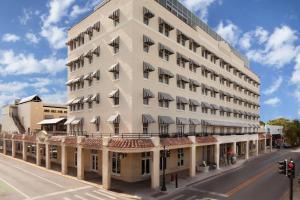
(32, 174)
(61, 192)
(108, 192)
(93, 196)
(16, 189)
(106, 195)
(79, 197)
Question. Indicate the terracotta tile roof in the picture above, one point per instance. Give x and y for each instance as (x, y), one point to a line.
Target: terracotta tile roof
(30, 138)
(261, 136)
(127, 143)
(205, 139)
(8, 136)
(17, 136)
(71, 141)
(175, 141)
(92, 143)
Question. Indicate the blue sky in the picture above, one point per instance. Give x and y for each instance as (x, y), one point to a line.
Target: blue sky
(33, 52)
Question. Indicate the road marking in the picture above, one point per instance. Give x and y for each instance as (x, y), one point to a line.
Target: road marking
(106, 195)
(16, 189)
(32, 174)
(209, 192)
(61, 192)
(80, 197)
(93, 196)
(250, 181)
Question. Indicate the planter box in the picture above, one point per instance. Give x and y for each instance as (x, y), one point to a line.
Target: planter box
(202, 169)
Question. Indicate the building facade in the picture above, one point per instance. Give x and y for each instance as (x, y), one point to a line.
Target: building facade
(24, 114)
(151, 88)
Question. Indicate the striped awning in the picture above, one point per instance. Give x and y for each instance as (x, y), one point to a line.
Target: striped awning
(114, 68)
(115, 15)
(194, 63)
(181, 120)
(164, 97)
(194, 102)
(87, 99)
(194, 82)
(165, 72)
(96, 51)
(114, 94)
(182, 100)
(78, 100)
(165, 49)
(147, 119)
(70, 102)
(147, 13)
(69, 120)
(194, 121)
(182, 78)
(214, 106)
(87, 76)
(222, 108)
(205, 105)
(95, 97)
(115, 119)
(115, 42)
(97, 26)
(95, 120)
(147, 93)
(148, 67)
(76, 121)
(165, 120)
(147, 40)
(96, 74)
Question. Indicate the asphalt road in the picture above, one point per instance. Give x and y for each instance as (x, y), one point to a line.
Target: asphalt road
(20, 180)
(257, 179)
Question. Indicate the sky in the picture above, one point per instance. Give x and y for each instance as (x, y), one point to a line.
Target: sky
(33, 51)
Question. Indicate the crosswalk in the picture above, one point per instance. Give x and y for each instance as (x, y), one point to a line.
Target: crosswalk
(92, 194)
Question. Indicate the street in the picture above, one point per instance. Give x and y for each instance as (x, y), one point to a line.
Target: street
(258, 179)
(20, 180)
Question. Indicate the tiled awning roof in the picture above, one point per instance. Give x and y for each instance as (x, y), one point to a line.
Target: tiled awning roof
(261, 136)
(92, 143)
(206, 139)
(71, 141)
(127, 143)
(17, 136)
(175, 141)
(55, 139)
(30, 138)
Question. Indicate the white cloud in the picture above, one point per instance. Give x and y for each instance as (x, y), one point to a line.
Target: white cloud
(32, 38)
(277, 50)
(245, 41)
(55, 35)
(76, 11)
(17, 64)
(8, 37)
(229, 31)
(56, 97)
(274, 87)
(199, 6)
(273, 101)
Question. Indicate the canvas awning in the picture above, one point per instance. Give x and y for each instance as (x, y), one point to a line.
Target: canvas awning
(205, 105)
(87, 99)
(194, 121)
(76, 121)
(87, 76)
(95, 97)
(194, 82)
(51, 121)
(115, 119)
(148, 67)
(147, 40)
(182, 100)
(182, 78)
(181, 120)
(165, 120)
(147, 119)
(114, 94)
(95, 120)
(165, 72)
(114, 68)
(147, 93)
(148, 13)
(69, 120)
(214, 106)
(78, 100)
(165, 96)
(70, 102)
(194, 102)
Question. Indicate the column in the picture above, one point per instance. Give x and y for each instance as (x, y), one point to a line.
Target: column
(257, 146)
(155, 170)
(64, 159)
(265, 145)
(247, 150)
(47, 159)
(106, 163)
(192, 170)
(271, 143)
(234, 147)
(217, 155)
(80, 159)
(24, 152)
(38, 154)
(13, 148)
(4, 146)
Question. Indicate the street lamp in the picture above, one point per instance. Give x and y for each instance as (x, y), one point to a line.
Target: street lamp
(164, 159)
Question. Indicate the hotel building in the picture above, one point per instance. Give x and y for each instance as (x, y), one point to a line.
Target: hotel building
(148, 75)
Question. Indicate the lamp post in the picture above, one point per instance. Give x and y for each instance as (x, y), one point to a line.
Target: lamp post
(164, 156)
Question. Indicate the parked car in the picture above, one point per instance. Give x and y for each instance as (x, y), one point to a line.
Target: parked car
(286, 145)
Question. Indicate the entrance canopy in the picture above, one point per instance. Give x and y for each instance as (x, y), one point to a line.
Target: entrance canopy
(51, 121)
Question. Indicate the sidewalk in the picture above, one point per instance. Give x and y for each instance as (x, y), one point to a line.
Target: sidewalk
(296, 192)
(142, 191)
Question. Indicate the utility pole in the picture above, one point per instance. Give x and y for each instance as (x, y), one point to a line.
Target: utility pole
(291, 174)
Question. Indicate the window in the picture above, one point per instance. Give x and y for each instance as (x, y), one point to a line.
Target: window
(145, 128)
(115, 43)
(181, 60)
(148, 42)
(193, 87)
(181, 38)
(163, 103)
(116, 163)
(147, 15)
(193, 108)
(116, 128)
(213, 111)
(204, 110)
(146, 101)
(147, 94)
(180, 106)
(192, 128)
(75, 158)
(146, 156)
(181, 84)
(180, 129)
(164, 27)
(53, 152)
(94, 164)
(164, 52)
(163, 129)
(180, 156)
(115, 16)
(163, 78)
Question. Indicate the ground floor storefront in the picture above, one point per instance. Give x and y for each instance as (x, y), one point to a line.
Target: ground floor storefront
(111, 161)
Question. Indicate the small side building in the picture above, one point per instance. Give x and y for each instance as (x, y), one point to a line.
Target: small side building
(277, 134)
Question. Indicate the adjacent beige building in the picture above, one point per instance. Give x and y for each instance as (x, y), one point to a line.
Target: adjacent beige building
(24, 114)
